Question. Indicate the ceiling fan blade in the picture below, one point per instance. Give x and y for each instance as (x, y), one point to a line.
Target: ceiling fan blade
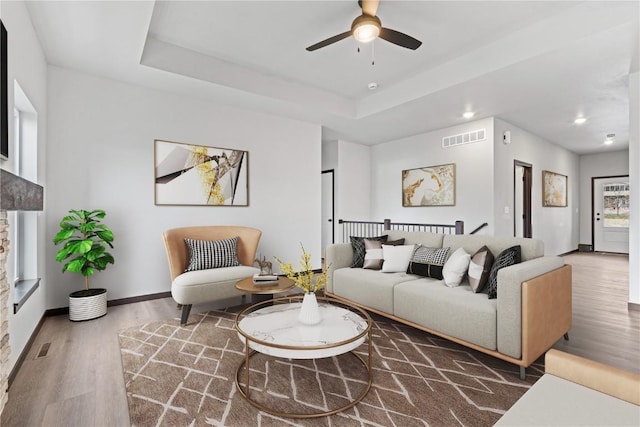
(401, 39)
(370, 7)
(329, 41)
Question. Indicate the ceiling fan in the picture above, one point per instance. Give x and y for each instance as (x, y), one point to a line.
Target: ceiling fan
(368, 27)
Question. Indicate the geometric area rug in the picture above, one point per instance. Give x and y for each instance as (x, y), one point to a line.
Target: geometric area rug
(185, 376)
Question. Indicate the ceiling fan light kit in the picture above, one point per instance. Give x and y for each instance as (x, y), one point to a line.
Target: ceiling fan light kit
(368, 27)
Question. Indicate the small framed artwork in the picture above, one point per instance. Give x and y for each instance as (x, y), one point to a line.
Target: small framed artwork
(429, 186)
(198, 175)
(554, 189)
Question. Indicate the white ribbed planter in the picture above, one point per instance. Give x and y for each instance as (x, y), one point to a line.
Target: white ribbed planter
(87, 304)
(309, 310)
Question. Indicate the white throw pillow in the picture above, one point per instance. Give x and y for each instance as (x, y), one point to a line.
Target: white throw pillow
(396, 258)
(456, 267)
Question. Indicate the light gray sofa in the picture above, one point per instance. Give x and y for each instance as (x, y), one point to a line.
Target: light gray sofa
(578, 392)
(532, 311)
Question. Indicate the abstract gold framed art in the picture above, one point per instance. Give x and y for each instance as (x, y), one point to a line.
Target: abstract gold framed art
(429, 186)
(554, 189)
(198, 175)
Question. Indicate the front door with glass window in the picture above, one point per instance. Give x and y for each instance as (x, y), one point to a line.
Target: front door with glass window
(611, 214)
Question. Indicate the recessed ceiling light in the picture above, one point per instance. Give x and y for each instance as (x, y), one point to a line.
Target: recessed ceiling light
(580, 120)
(468, 114)
(610, 138)
(372, 86)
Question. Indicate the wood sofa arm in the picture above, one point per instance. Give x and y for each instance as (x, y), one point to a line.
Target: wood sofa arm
(510, 303)
(615, 382)
(546, 312)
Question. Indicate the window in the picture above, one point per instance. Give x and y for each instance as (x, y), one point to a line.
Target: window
(17, 219)
(616, 204)
(24, 225)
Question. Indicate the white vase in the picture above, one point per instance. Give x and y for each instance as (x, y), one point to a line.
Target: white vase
(309, 312)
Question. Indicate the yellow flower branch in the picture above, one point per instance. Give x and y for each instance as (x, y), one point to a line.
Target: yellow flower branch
(305, 279)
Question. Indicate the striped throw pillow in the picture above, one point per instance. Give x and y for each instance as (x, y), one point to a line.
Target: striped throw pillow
(206, 254)
(428, 262)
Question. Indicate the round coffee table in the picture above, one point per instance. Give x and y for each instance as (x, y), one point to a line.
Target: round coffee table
(275, 330)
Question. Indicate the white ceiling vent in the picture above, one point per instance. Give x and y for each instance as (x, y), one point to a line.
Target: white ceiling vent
(464, 138)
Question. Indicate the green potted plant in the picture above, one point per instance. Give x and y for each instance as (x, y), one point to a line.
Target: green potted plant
(85, 241)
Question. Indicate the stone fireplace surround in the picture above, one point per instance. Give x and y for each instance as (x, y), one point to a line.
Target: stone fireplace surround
(16, 194)
(5, 350)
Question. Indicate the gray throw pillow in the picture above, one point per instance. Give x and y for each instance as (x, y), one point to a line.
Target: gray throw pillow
(479, 269)
(509, 256)
(373, 257)
(206, 254)
(357, 244)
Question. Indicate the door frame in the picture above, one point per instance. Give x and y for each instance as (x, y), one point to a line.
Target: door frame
(333, 203)
(527, 228)
(593, 205)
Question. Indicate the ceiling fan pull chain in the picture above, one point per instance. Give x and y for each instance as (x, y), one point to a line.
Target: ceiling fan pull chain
(373, 54)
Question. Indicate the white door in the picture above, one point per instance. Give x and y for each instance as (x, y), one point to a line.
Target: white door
(611, 215)
(327, 209)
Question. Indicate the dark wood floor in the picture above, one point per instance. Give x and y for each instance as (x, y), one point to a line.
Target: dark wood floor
(79, 382)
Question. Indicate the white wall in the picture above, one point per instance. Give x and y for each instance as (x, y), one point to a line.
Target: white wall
(352, 187)
(329, 155)
(634, 181)
(557, 227)
(593, 166)
(27, 65)
(330, 162)
(101, 136)
(474, 177)
(353, 183)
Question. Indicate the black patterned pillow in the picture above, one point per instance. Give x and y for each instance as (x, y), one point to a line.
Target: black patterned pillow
(206, 254)
(509, 256)
(428, 262)
(357, 243)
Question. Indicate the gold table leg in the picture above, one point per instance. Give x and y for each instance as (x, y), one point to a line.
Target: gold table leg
(246, 363)
(245, 391)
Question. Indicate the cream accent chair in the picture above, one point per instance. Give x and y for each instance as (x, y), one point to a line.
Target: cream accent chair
(193, 287)
(575, 391)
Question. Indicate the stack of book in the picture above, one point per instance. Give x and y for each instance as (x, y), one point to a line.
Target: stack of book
(265, 279)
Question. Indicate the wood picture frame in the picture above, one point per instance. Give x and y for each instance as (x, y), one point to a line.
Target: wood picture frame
(429, 186)
(554, 190)
(199, 175)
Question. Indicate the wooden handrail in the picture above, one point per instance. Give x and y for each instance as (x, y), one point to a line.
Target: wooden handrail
(480, 227)
(374, 228)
